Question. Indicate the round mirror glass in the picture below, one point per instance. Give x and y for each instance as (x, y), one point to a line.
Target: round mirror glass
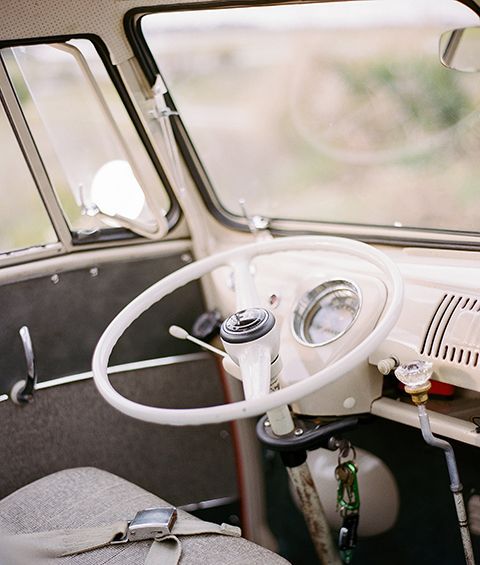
(460, 49)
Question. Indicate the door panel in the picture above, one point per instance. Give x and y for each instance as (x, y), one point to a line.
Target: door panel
(67, 317)
(70, 425)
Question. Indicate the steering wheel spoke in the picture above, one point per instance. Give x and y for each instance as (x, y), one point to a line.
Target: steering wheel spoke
(245, 288)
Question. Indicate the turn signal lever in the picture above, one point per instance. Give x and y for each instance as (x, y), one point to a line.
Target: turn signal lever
(22, 391)
(180, 333)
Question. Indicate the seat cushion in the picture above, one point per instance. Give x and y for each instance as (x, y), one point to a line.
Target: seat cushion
(86, 497)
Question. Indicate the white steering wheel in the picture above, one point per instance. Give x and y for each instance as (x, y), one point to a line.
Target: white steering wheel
(239, 259)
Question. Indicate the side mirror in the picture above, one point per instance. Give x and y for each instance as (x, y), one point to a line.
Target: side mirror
(119, 200)
(460, 49)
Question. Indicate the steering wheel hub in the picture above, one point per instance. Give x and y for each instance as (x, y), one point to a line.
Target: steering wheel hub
(247, 325)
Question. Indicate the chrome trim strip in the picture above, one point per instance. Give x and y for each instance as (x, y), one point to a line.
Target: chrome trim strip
(214, 503)
(124, 368)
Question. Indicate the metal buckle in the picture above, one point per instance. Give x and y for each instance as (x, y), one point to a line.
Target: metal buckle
(150, 524)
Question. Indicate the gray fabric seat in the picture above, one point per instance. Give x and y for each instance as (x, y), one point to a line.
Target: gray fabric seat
(86, 497)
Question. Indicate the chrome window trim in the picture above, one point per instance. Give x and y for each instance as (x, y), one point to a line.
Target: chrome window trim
(31, 253)
(123, 368)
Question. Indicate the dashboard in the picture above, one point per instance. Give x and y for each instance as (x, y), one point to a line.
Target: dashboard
(325, 308)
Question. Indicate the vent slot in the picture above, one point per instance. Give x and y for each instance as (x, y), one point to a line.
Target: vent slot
(432, 329)
(453, 333)
(444, 323)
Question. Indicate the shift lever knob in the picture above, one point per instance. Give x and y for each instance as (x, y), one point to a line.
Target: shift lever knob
(416, 378)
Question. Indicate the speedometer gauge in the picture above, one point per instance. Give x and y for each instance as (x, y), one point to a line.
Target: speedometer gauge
(326, 312)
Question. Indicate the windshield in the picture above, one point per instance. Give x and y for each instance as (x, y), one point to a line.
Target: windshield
(334, 112)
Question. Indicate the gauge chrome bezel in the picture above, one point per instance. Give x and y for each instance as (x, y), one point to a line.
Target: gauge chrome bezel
(305, 309)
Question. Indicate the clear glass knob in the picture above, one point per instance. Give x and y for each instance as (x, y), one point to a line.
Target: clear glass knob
(415, 374)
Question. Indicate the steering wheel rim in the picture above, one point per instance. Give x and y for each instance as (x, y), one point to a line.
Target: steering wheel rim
(287, 395)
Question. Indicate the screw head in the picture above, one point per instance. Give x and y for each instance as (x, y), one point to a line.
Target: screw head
(274, 300)
(298, 432)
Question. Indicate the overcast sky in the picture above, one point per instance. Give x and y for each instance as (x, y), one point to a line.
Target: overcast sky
(447, 13)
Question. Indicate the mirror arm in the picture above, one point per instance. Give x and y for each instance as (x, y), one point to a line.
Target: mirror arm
(451, 48)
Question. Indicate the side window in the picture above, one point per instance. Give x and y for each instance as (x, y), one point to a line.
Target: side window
(24, 221)
(97, 164)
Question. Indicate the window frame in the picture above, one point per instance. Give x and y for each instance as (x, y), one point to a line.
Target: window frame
(368, 233)
(70, 240)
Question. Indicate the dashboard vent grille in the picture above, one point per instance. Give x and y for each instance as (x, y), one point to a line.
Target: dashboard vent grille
(453, 333)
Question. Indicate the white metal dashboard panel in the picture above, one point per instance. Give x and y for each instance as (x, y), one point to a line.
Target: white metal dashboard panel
(441, 326)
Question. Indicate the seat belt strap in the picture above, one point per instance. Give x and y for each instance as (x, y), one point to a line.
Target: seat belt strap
(39, 546)
(165, 550)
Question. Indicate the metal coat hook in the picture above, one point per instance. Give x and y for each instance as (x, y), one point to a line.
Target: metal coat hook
(22, 391)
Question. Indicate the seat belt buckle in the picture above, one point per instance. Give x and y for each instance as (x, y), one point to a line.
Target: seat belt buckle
(150, 523)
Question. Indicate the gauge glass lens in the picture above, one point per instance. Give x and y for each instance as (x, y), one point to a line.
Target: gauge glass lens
(326, 312)
(335, 314)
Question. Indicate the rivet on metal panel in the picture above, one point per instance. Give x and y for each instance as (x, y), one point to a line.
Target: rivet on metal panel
(55, 279)
(93, 272)
(349, 402)
(186, 258)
